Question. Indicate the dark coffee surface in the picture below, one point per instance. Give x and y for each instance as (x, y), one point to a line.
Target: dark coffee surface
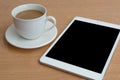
(29, 14)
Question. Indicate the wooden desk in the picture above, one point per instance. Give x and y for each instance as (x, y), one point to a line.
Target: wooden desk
(21, 64)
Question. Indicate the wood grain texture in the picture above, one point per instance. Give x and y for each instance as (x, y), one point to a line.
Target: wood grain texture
(21, 64)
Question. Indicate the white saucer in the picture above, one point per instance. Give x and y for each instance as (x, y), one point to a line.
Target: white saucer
(14, 39)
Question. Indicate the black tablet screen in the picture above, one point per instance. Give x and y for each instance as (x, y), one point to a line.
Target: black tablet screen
(85, 45)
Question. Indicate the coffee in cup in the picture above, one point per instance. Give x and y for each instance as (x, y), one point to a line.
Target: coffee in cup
(29, 14)
(30, 20)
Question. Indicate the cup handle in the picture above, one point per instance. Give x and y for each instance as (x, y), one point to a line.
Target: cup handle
(53, 20)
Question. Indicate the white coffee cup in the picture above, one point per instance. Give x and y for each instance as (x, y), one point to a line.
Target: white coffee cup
(31, 28)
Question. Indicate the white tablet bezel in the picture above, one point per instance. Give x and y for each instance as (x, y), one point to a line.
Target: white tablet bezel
(78, 70)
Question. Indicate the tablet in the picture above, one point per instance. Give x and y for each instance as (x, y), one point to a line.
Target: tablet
(85, 47)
